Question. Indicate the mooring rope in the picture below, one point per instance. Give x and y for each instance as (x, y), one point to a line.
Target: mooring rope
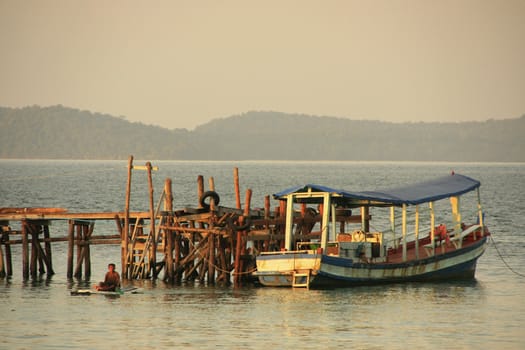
(502, 259)
(219, 268)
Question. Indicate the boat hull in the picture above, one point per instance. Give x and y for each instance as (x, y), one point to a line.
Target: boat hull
(334, 271)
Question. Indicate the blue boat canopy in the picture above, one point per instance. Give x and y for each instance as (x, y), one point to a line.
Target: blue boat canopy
(423, 192)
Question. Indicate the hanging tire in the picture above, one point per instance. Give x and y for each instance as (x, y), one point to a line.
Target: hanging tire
(244, 227)
(209, 194)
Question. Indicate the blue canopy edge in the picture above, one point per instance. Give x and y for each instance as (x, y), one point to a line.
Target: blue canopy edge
(422, 192)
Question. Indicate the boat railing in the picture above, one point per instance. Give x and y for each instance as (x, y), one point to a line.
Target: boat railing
(285, 252)
(397, 237)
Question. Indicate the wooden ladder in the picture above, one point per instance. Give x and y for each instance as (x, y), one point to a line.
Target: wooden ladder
(298, 279)
(139, 253)
(138, 249)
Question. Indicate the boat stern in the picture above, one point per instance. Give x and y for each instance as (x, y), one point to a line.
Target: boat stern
(287, 268)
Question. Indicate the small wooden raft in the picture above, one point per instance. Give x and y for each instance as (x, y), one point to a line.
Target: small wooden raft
(127, 290)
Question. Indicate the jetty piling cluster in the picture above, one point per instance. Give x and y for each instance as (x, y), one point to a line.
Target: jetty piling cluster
(209, 243)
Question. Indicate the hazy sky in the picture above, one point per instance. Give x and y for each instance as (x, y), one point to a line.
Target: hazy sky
(179, 64)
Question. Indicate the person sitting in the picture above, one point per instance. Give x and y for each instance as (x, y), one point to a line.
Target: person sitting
(111, 280)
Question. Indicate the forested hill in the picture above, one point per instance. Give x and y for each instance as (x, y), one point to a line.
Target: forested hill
(58, 132)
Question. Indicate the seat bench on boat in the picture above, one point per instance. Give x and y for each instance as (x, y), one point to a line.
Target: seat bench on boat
(437, 243)
(454, 239)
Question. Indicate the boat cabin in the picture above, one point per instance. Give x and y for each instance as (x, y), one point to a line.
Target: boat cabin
(343, 225)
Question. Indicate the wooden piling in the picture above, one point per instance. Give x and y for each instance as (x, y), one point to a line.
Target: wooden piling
(70, 247)
(2, 266)
(211, 251)
(200, 188)
(48, 254)
(8, 258)
(78, 266)
(236, 187)
(237, 234)
(34, 241)
(266, 207)
(168, 234)
(237, 257)
(125, 238)
(88, 231)
(25, 251)
(247, 207)
(153, 257)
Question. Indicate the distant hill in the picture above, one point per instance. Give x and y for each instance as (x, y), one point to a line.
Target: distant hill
(59, 132)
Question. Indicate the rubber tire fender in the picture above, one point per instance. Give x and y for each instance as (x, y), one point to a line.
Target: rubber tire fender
(244, 227)
(209, 194)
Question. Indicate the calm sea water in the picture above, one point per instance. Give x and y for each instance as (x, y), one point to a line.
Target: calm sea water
(488, 312)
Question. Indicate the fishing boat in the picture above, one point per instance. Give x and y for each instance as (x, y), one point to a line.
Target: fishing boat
(420, 240)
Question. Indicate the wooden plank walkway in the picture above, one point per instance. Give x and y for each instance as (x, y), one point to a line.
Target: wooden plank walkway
(36, 215)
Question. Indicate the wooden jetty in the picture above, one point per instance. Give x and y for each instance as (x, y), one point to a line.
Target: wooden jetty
(208, 243)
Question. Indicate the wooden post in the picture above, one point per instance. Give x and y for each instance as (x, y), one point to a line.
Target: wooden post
(366, 222)
(224, 258)
(8, 257)
(70, 247)
(87, 250)
(200, 189)
(241, 244)
(211, 259)
(78, 267)
(153, 258)
(25, 250)
(236, 187)
(238, 234)
(47, 246)
(125, 238)
(212, 188)
(178, 251)
(34, 250)
(211, 251)
(168, 234)
(4, 232)
(237, 261)
(41, 257)
(2, 266)
(266, 207)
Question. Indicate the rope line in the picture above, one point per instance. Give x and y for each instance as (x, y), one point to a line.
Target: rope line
(502, 259)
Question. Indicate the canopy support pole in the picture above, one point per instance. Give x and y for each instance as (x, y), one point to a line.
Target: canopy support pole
(432, 227)
(325, 224)
(416, 231)
(456, 216)
(332, 208)
(480, 215)
(393, 225)
(288, 234)
(404, 225)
